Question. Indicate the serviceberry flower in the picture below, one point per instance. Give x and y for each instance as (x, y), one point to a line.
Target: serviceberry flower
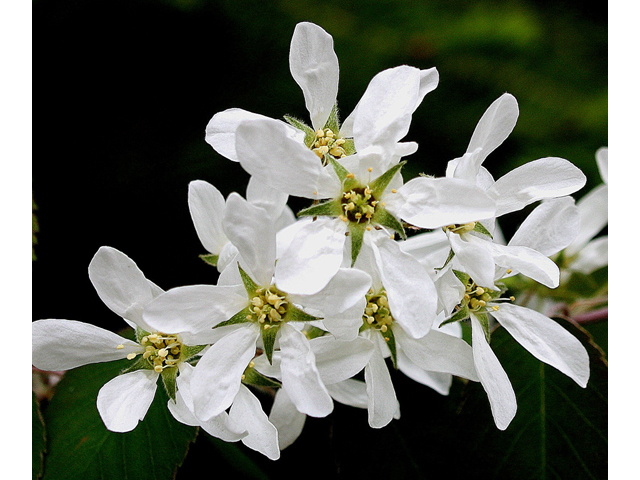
(66, 344)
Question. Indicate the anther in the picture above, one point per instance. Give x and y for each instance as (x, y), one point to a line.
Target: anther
(131, 356)
(393, 190)
(120, 347)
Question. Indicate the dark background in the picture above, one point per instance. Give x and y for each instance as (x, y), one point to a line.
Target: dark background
(124, 91)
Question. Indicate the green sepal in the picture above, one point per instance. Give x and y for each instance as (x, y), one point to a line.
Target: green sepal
(254, 377)
(330, 208)
(332, 122)
(139, 364)
(481, 229)
(380, 184)
(384, 218)
(309, 134)
(294, 314)
(189, 352)
(313, 332)
(459, 315)
(168, 376)
(341, 172)
(269, 339)
(390, 340)
(449, 258)
(210, 259)
(140, 334)
(463, 277)
(349, 146)
(250, 286)
(240, 317)
(356, 233)
(483, 318)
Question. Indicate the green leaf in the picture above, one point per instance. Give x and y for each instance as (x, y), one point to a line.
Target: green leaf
(269, 335)
(81, 447)
(188, 352)
(384, 218)
(560, 429)
(480, 229)
(253, 377)
(330, 208)
(240, 317)
(463, 277)
(210, 259)
(249, 285)
(379, 185)
(356, 233)
(309, 134)
(38, 439)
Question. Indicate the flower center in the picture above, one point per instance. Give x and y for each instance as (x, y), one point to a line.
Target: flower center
(460, 227)
(161, 350)
(477, 298)
(358, 204)
(326, 142)
(269, 306)
(377, 314)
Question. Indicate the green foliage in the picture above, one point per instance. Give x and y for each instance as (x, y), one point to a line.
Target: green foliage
(560, 429)
(80, 446)
(38, 439)
(210, 259)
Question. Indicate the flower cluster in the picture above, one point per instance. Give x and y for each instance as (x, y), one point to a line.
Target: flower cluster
(316, 307)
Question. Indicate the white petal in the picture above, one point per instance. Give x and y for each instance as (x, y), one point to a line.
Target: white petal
(528, 262)
(120, 284)
(206, 205)
(550, 227)
(221, 130)
(66, 344)
(436, 202)
(350, 392)
(261, 195)
(313, 257)
(546, 340)
(124, 401)
(593, 256)
(602, 158)
(382, 400)
(383, 115)
(450, 291)
(216, 379)
(347, 287)
(438, 352)
(431, 249)
(338, 360)
(493, 378)
(346, 325)
(194, 308)
(543, 178)
(314, 66)
(252, 231)
(476, 257)
(286, 418)
(300, 377)
(411, 293)
(285, 236)
(440, 382)
(594, 216)
(246, 413)
(495, 126)
(265, 150)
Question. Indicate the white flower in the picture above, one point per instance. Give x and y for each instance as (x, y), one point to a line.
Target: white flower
(384, 113)
(586, 254)
(249, 306)
(66, 344)
(471, 241)
(207, 207)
